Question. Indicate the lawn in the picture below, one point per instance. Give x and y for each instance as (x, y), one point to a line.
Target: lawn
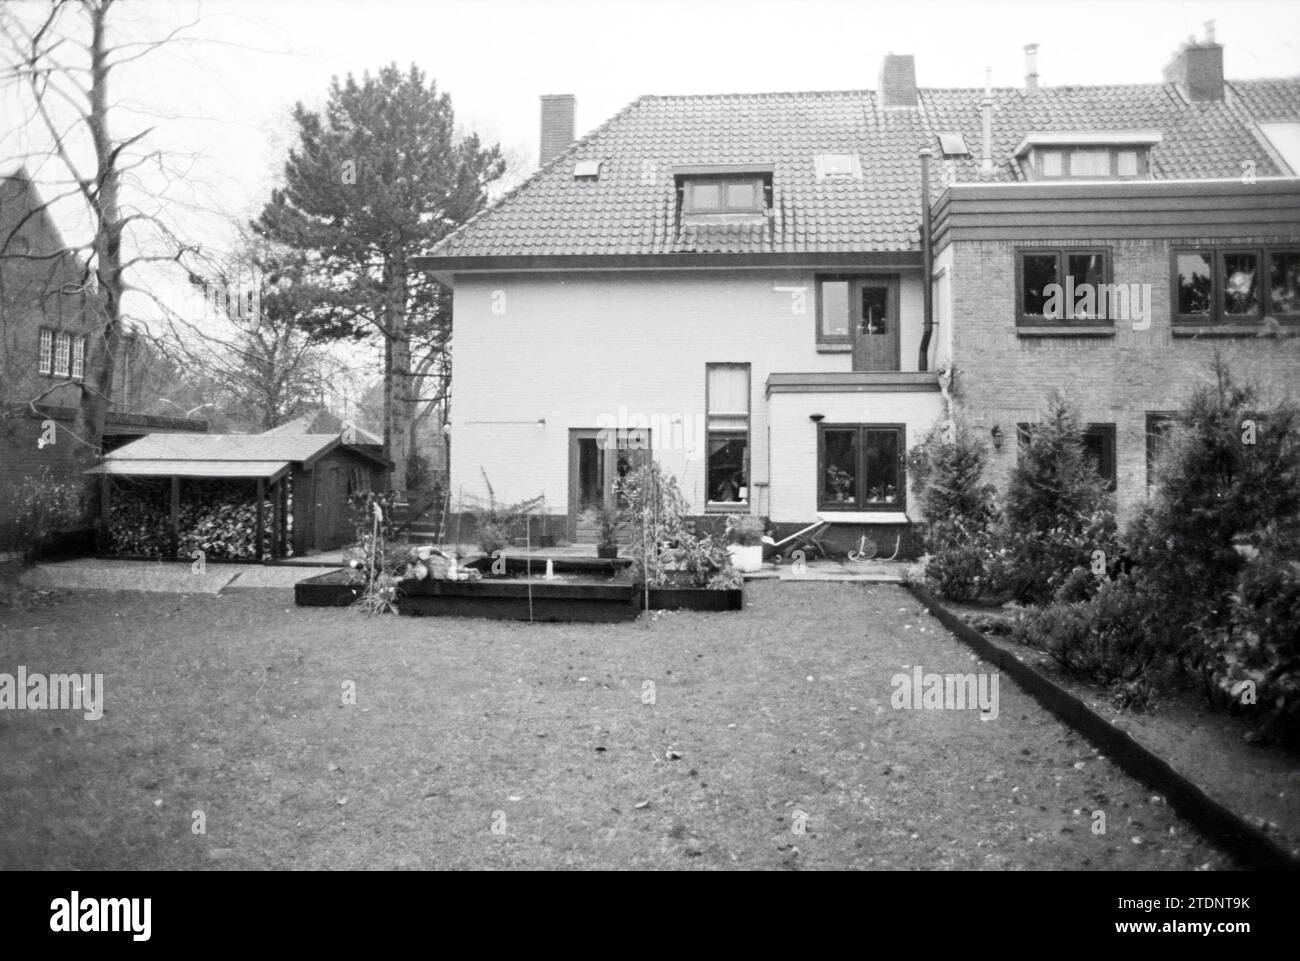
(762, 722)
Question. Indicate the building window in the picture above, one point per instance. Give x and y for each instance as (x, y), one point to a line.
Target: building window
(1236, 285)
(860, 467)
(79, 357)
(1160, 426)
(1063, 286)
(727, 468)
(844, 301)
(740, 195)
(45, 352)
(833, 310)
(1098, 442)
(62, 353)
(1099, 449)
(1089, 163)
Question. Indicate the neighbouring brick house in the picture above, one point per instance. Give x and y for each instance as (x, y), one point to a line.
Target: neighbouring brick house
(45, 326)
(753, 287)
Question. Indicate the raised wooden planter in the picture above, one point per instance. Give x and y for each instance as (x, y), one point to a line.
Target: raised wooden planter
(335, 589)
(599, 600)
(691, 599)
(509, 599)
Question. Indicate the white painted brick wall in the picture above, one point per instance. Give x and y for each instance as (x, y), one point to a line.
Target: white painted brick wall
(572, 346)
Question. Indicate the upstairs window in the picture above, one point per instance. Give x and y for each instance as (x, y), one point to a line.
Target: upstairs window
(1063, 286)
(1236, 285)
(62, 353)
(724, 193)
(723, 196)
(79, 358)
(45, 352)
(1088, 155)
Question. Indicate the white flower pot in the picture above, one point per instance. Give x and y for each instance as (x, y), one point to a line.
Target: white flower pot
(747, 560)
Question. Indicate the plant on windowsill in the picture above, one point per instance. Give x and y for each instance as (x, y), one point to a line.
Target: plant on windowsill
(840, 481)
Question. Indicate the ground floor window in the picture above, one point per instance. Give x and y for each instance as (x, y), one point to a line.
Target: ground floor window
(727, 402)
(860, 467)
(1159, 427)
(1098, 449)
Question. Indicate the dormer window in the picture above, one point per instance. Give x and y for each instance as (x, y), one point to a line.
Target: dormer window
(723, 196)
(1093, 155)
(724, 193)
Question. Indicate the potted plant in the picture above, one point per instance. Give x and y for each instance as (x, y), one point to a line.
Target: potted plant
(607, 521)
(744, 535)
(840, 481)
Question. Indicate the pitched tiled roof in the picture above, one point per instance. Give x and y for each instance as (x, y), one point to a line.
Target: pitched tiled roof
(631, 208)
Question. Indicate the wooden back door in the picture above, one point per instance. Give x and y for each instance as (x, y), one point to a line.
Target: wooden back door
(874, 320)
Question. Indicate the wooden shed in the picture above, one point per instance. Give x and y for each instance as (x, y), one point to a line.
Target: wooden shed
(306, 477)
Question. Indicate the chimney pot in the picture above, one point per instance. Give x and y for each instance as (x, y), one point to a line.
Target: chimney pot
(557, 125)
(1031, 66)
(898, 81)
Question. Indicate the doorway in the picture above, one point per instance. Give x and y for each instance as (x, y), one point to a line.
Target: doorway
(874, 324)
(597, 459)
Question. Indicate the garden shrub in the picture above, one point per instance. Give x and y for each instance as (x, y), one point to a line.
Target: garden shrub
(1056, 510)
(496, 525)
(663, 540)
(1103, 638)
(1254, 659)
(958, 566)
(947, 470)
(45, 506)
(1214, 493)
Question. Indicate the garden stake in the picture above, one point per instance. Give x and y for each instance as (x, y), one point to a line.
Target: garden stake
(528, 562)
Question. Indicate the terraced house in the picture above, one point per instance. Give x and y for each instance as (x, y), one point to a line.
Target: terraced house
(779, 294)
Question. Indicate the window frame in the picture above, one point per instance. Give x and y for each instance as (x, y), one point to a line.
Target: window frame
(729, 507)
(62, 354)
(77, 362)
(1218, 317)
(1157, 421)
(1110, 445)
(858, 504)
(1112, 161)
(1061, 253)
(839, 343)
(45, 352)
(722, 181)
(1109, 452)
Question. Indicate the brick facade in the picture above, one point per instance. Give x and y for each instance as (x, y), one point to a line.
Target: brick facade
(1003, 378)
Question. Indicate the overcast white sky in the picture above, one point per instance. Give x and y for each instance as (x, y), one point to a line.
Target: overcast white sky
(225, 97)
(495, 57)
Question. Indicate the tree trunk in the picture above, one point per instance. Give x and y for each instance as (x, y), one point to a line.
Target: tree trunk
(397, 377)
(106, 301)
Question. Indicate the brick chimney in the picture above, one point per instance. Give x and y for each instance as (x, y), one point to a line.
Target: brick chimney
(898, 81)
(1031, 67)
(557, 125)
(1197, 68)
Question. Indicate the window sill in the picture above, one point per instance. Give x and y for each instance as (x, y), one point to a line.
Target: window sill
(1251, 329)
(1066, 330)
(863, 517)
(831, 348)
(737, 507)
